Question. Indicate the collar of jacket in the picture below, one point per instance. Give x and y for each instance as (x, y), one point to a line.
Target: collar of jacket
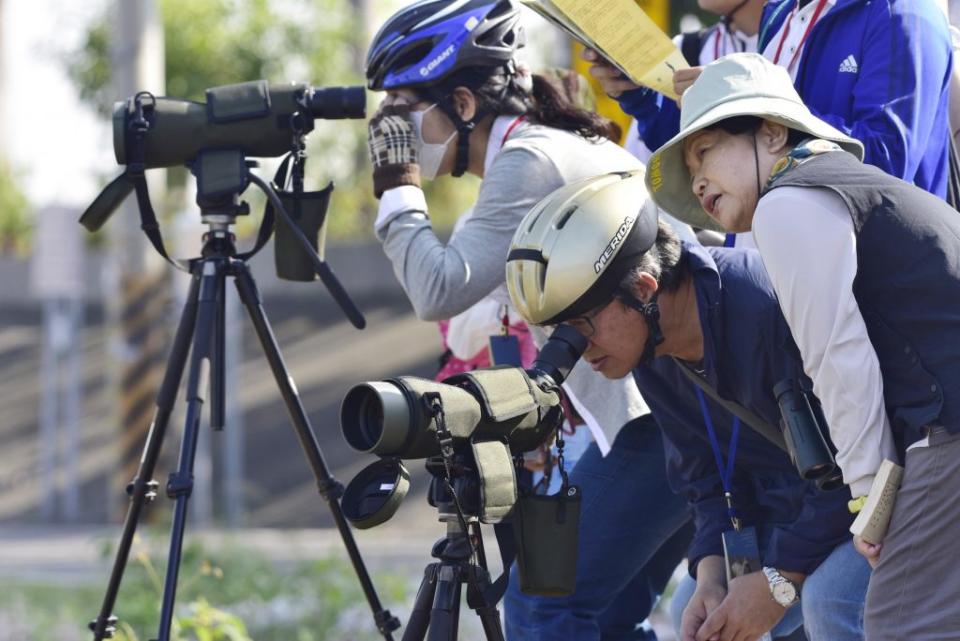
(707, 288)
(775, 12)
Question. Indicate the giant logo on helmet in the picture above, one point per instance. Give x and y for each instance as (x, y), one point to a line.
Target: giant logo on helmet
(436, 62)
(611, 247)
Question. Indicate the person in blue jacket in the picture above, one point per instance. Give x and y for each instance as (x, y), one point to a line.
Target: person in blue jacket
(593, 255)
(877, 71)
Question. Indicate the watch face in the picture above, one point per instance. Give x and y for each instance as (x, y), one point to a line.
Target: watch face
(784, 593)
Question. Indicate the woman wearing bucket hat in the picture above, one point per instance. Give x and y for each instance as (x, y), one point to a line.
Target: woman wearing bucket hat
(458, 102)
(867, 271)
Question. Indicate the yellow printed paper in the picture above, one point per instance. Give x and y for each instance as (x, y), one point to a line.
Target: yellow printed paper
(623, 33)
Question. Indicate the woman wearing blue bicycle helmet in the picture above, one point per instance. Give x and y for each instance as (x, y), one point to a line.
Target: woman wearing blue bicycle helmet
(458, 102)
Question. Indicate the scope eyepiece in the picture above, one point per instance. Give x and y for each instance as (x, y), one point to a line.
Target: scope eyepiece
(558, 355)
(337, 103)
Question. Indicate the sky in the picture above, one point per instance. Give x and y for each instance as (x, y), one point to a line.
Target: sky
(60, 149)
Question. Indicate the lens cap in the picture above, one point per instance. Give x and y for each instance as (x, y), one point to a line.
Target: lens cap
(375, 494)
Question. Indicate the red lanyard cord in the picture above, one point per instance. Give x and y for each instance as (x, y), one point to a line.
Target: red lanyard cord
(786, 32)
(510, 129)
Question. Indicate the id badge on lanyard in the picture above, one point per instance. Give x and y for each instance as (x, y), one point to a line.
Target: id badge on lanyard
(741, 551)
(741, 556)
(504, 348)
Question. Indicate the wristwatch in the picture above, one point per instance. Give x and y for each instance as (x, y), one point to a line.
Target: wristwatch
(782, 589)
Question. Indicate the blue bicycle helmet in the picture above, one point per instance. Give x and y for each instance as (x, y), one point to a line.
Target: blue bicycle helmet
(427, 42)
(424, 43)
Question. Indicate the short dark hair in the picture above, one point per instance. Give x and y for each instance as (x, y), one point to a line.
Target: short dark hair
(750, 124)
(664, 261)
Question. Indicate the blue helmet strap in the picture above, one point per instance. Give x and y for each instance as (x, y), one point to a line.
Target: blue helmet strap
(651, 315)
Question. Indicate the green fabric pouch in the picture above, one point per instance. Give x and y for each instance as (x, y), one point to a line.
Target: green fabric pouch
(308, 211)
(546, 529)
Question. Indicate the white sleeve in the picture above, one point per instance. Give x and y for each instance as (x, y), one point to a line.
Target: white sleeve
(398, 200)
(808, 245)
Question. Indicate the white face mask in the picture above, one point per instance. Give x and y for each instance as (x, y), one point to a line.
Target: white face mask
(430, 154)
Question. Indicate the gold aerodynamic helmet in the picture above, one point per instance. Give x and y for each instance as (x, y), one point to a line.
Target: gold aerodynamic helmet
(575, 246)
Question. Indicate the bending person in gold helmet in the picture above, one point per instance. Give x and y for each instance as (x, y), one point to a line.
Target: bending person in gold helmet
(594, 256)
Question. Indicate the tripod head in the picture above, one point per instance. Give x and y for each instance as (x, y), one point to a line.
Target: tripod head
(465, 483)
(213, 141)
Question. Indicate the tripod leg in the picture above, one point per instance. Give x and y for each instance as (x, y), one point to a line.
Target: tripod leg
(142, 489)
(445, 615)
(181, 482)
(490, 620)
(218, 374)
(329, 488)
(419, 620)
(478, 581)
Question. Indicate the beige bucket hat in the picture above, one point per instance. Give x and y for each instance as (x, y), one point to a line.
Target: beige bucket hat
(741, 84)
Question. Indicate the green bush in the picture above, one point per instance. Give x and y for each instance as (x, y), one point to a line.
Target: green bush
(15, 220)
(227, 593)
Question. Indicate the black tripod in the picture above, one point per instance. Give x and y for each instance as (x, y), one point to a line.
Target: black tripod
(461, 561)
(200, 335)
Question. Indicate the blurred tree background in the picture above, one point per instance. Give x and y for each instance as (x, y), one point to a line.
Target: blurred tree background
(14, 210)
(220, 42)
(15, 224)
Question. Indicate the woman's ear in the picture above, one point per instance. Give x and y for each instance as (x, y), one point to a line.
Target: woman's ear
(773, 136)
(465, 103)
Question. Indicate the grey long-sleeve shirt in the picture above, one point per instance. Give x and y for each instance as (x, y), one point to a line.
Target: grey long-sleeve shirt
(444, 280)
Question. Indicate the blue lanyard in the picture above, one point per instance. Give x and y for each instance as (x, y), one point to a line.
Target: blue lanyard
(726, 470)
(730, 240)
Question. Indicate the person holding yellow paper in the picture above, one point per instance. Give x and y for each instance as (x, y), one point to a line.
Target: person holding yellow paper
(877, 71)
(623, 32)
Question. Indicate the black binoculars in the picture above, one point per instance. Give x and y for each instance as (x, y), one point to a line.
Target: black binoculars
(806, 434)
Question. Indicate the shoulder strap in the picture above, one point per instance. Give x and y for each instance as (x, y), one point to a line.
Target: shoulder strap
(508, 552)
(690, 45)
(763, 428)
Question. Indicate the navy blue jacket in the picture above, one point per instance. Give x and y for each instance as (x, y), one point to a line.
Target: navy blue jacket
(895, 101)
(747, 350)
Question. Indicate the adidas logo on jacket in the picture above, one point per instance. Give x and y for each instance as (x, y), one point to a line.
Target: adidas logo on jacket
(849, 65)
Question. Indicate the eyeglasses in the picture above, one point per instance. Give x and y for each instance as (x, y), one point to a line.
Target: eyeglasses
(583, 324)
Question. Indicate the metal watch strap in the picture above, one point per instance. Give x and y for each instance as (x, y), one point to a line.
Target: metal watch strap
(774, 578)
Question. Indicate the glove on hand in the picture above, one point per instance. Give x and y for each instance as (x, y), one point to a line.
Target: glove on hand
(393, 151)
